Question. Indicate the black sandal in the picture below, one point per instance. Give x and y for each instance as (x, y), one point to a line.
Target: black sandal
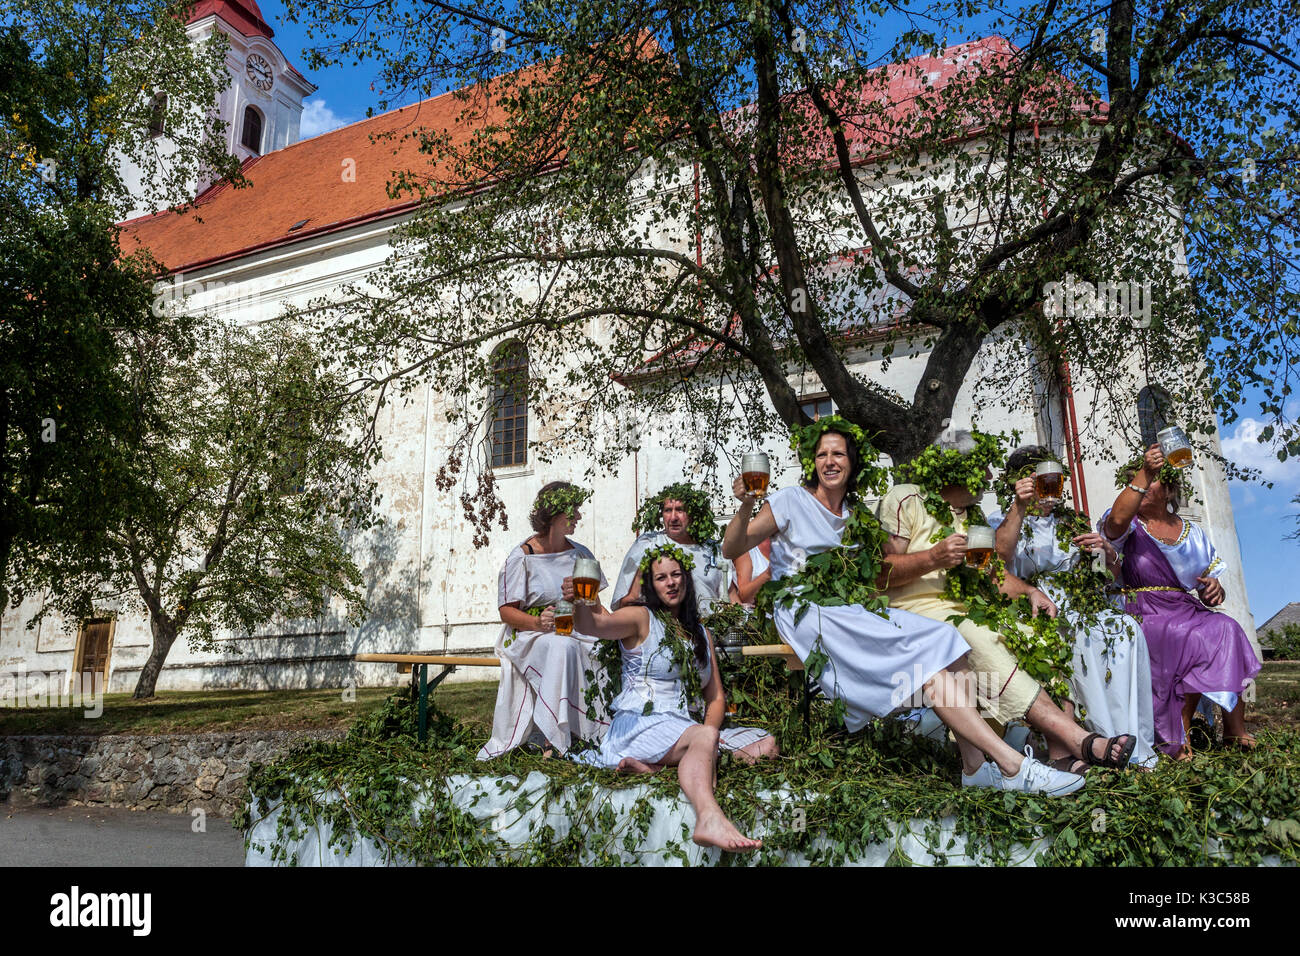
(1107, 760)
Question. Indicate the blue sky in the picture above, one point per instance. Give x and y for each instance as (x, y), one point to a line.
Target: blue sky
(1263, 515)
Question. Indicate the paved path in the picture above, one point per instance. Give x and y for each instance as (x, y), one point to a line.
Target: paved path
(100, 836)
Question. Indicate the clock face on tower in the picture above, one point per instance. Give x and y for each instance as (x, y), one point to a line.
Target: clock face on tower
(259, 71)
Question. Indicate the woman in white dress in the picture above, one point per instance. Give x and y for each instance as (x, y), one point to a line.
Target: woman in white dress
(876, 662)
(542, 695)
(663, 645)
(1111, 680)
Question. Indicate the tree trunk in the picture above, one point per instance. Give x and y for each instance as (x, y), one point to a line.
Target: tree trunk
(164, 635)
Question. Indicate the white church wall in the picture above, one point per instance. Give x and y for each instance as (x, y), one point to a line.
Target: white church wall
(429, 587)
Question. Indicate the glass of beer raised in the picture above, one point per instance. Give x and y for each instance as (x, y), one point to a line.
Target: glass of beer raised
(1175, 446)
(586, 581)
(755, 472)
(563, 618)
(979, 546)
(1049, 482)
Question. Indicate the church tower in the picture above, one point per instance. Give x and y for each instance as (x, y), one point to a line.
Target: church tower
(262, 106)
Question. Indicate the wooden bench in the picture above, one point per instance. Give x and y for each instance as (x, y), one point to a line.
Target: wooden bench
(781, 650)
(421, 686)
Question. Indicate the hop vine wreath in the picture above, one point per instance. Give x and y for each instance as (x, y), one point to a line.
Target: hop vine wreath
(666, 550)
(703, 526)
(803, 441)
(1043, 651)
(936, 468)
(561, 501)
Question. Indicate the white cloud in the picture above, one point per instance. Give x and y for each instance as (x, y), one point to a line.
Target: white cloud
(318, 118)
(1244, 448)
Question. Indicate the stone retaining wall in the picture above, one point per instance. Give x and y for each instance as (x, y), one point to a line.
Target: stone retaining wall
(174, 772)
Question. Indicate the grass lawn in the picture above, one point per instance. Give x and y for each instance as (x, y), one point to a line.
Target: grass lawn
(1277, 704)
(189, 712)
(1277, 695)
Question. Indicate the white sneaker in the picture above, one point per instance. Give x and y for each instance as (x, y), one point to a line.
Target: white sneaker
(1034, 777)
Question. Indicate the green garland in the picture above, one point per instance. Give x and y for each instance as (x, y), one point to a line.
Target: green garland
(938, 468)
(1169, 475)
(871, 477)
(1045, 651)
(703, 526)
(561, 501)
(852, 792)
(666, 550)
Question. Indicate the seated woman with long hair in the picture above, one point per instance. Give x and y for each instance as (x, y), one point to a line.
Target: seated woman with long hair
(667, 660)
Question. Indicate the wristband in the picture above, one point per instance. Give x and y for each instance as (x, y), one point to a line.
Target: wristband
(1132, 487)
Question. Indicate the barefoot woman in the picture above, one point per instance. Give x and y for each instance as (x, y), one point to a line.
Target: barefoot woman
(666, 656)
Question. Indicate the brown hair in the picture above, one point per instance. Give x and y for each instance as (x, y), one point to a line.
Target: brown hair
(545, 508)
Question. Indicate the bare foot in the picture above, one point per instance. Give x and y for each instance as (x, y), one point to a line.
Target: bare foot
(1184, 753)
(717, 830)
(1244, 741)
(632, 765)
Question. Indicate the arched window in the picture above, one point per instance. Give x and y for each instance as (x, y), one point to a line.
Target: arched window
(1155, 410)
(158, 115)
(509, 432)
(252, 138)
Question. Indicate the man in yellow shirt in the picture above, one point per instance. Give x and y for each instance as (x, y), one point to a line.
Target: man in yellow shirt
(915, 575)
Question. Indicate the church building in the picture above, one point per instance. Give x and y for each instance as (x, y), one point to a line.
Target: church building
(317, 215)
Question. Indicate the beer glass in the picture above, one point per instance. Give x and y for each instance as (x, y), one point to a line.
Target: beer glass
(586, 581)
(979, 546)
(755, 472)
(1049, 482)
(1175, 446)
(563, 618)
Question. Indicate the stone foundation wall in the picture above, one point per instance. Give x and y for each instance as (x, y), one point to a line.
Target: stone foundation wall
(174, 772)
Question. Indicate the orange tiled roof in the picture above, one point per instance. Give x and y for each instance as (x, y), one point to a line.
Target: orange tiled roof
(333, 180)
(306, 181)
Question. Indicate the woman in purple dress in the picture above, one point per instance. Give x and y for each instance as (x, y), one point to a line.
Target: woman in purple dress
(1195, 652)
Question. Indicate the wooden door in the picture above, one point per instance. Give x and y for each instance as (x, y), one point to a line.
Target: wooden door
(95, 646)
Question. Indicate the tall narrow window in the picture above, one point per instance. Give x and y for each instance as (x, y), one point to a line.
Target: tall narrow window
(509, 435)
(252, 138)
(1155, 411)
(158, 115)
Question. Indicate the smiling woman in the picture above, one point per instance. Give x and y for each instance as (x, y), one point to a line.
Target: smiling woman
(668, 668)
(872, 660)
